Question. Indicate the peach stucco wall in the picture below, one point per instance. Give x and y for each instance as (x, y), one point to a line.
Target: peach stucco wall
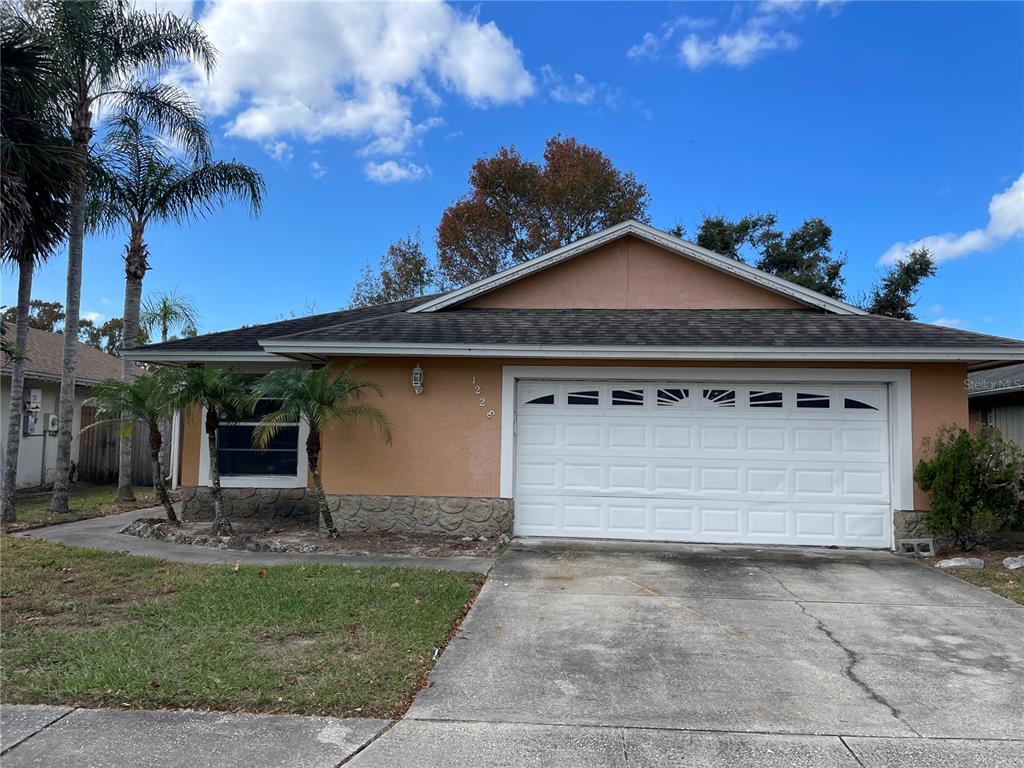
(630, 273)
(446, 445)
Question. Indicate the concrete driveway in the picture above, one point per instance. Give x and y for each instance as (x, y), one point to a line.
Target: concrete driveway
(621, 655)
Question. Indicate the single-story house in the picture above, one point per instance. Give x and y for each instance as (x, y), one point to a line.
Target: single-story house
(37, 448)
(630, 385)
(996, 398)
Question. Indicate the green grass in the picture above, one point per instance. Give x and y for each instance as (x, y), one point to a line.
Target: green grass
(101, 629)
(86, 501)
(1007, 584)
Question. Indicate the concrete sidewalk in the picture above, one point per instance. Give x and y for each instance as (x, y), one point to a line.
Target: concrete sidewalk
(102, 533)
(33, 735)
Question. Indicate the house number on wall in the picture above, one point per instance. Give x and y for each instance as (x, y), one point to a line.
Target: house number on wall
(482, 401)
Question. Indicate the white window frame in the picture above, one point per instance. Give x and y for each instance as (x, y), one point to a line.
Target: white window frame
(897, 381)
(298, 480)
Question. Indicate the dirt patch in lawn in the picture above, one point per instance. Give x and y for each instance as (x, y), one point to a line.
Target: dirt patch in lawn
(994, 576)
(257, 536)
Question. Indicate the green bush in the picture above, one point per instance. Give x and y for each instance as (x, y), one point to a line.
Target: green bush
(976, 485)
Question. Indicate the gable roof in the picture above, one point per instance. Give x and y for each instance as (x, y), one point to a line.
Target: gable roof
(825, 329)
(683, 248)
(44, 359)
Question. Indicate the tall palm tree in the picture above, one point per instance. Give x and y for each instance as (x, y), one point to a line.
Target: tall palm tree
(224, 394)
(36, 172)
(320, 397)
(140, 181)
(146, 400)
(169, 313)
(110, 52)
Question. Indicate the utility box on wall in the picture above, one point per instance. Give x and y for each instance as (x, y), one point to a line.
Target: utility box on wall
(32, 420)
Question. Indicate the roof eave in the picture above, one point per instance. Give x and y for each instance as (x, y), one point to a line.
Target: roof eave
(905, 354)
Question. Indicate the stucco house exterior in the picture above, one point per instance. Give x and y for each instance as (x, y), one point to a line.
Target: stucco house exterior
(630, 385)
(37, 449)
(996, 398)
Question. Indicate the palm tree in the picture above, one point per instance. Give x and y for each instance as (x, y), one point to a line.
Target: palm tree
(169, 312)
(166, 312)
(319, 397)
(108, 52)
(140, 181)
(35, 185)
(146, 400)
(225, 394)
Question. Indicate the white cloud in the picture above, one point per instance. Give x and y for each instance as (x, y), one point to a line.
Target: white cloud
(1005, 221)
(317, 170)
(279, 150)
(738, 50)
(935, 309)
(746, 36)
(351, 70)
(92, 317)
(577, 90)
(650, 46)
(392, 171)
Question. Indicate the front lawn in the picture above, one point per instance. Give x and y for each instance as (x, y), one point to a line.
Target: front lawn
(33, 509)
(100, 629)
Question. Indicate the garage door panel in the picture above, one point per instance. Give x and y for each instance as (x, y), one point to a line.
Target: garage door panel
(753, 463)
(705, 521)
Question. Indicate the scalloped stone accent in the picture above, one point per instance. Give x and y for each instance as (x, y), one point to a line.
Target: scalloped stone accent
(445, 515)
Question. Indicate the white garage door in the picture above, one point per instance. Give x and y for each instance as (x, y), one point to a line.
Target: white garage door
(704, 462)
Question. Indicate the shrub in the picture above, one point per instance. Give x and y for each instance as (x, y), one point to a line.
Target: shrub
(976, 484)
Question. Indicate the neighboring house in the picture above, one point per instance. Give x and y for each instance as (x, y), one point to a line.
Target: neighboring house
(630, 385)
(37, 451)
(997, 399)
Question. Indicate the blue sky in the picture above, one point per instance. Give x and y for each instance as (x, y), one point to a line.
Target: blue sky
(893, 121)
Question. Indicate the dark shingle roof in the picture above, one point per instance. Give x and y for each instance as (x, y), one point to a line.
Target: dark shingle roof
(1009, 378)
(648, 327)
(247, 339)
(768, 328)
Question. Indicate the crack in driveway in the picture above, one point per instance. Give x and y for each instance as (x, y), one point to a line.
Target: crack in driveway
(849, 671)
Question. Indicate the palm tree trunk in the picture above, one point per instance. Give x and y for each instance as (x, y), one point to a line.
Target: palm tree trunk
(14, 416)
(134, 270)
(155, 443)
(165, 428)
(313, 458)
(221, 524)
(81, 134)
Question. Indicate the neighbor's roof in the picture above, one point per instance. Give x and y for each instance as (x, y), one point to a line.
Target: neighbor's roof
(997, 381)
(44, 359)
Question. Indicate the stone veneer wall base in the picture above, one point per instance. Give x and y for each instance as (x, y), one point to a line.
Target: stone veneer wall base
(444, 515)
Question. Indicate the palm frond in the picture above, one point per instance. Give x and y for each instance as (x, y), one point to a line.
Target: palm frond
(170, 110)
(208, 187)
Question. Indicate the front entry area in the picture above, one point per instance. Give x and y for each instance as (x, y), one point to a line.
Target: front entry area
(704, 461)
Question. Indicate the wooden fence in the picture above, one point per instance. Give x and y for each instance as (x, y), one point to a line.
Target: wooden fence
(97, 452)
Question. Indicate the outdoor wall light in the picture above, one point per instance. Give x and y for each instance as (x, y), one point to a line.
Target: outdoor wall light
(417, 379)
